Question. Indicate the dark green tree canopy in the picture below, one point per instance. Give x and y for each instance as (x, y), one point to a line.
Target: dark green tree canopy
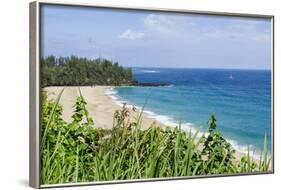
(75, 71)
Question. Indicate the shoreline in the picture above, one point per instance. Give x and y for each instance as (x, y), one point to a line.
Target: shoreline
(102, 104)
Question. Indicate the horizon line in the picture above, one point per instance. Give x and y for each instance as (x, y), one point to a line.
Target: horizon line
(155, 67)
(210, 68)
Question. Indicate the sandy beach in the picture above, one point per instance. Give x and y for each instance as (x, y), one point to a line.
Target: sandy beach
(100, 106)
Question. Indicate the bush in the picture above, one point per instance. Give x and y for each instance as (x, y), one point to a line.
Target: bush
(79, 152)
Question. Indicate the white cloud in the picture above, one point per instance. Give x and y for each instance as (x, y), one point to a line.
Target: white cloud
(131, 35)
(243, 30)
(162, 25)
(197, 28)
(157, 20)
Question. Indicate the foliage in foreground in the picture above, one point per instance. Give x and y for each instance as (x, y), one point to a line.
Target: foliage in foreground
(80, 152)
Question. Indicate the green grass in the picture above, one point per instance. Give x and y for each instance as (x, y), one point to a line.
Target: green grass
(79, 152)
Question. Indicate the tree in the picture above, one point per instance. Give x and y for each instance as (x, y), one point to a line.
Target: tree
(75, 71)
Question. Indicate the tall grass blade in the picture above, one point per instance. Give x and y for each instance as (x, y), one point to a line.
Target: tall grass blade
(43, 139)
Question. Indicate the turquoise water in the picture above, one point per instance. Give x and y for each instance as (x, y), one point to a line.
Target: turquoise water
(241, 100)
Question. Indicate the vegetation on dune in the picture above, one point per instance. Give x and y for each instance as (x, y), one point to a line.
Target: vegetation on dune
(74, 71)
(80, 152)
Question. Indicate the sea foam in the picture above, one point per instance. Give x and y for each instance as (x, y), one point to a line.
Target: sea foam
(149, 71)
(171, 122)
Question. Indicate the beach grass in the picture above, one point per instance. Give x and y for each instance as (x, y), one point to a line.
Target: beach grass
(78, 151)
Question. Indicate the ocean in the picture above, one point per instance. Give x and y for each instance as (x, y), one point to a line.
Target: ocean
(240, 99)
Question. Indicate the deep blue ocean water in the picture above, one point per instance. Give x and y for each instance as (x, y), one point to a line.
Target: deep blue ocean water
(241, 100)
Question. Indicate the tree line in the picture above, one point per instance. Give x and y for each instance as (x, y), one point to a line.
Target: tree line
(75, 71)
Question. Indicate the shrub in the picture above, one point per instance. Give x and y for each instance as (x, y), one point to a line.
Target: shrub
(80, 152)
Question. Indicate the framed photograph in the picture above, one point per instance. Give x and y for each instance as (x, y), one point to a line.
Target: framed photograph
(133, 94)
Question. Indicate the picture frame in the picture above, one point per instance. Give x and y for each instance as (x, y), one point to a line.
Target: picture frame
(36, 40)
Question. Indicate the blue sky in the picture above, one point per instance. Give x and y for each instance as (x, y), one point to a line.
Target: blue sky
(154, 39)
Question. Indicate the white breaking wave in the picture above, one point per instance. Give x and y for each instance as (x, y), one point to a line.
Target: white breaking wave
(244, 148)
(187, 127)
(110, 91)
(164, 119)
(149, 71)
(112, 94)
